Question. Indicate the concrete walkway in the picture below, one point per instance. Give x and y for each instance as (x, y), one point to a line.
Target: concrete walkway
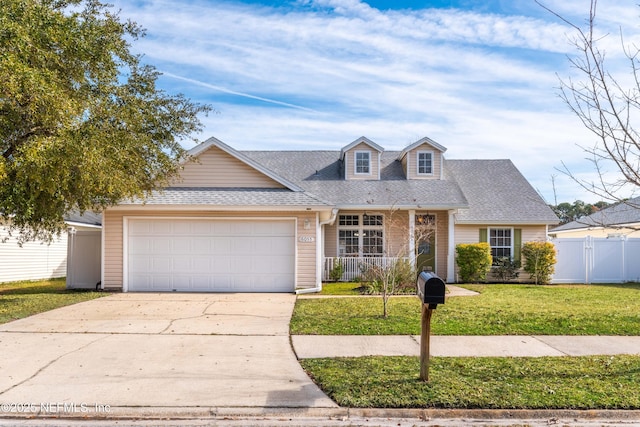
(155, 351)
(317, 346)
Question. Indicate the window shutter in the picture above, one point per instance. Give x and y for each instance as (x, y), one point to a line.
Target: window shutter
(517, 243)
(483, 235)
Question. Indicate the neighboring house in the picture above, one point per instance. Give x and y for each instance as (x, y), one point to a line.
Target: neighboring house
(36, 260)
(621, 219)
(276, 221)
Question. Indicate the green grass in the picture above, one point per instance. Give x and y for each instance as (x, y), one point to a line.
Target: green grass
(601, 382)
(498, 310)
(341, 288)
(23, 299)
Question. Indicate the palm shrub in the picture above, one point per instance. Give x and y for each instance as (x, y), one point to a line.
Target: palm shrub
(474, 261)
(540, 260)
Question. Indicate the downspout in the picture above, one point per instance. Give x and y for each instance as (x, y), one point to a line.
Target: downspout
(71, 243)
(319, 252)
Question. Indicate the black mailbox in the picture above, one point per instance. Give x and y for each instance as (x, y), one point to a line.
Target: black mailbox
(431, 289)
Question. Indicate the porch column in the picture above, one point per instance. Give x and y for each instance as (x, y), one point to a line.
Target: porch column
(451, 255)
(412, 240)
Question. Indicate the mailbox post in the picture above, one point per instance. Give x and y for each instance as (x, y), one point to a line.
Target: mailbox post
(430, 290)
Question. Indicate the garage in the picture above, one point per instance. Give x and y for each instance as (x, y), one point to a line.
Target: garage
(209, 255)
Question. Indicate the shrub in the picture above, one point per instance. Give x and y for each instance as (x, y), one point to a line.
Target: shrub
(474, 261)
(506, 268)
(399, 275)
(540, 259)
(336, 272)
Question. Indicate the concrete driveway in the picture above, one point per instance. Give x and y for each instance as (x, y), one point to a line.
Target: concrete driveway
(157, 350)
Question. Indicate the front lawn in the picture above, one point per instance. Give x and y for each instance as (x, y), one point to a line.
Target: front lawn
(498, 310)
(341, 288)
(23, 299)
(596, 382)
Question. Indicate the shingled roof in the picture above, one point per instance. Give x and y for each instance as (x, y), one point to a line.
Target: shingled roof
(320, 173)
(485, 191)
(497, 193)
(481, 191)
(181, 196)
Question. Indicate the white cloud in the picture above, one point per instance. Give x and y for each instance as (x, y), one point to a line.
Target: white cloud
(321, 74)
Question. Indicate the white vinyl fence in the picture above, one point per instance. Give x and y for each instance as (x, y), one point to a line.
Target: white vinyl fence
(597, 260)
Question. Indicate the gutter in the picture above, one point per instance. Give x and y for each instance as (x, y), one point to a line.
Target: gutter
(318, 288)
(332, 218)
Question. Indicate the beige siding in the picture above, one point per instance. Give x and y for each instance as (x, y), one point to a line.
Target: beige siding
(467, 234)
(112, 236)
(331, 240)
(350, 166)
(215, 168)
(410, 163)
(32, 260)
(306, 250)
(113, 231)
(403, 161)
(396, 234)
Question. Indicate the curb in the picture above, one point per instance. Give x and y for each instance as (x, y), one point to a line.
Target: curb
(343, 414)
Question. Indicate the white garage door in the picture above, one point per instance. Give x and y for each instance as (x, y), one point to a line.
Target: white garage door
(210, 255)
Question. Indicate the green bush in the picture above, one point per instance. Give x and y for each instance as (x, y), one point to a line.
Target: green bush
(474, 261)
(540, 260)
(506, 268)
(336, 272)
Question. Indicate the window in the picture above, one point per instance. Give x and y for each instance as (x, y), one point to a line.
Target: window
(349, 220)
(501, 242)
(372, 243)
(360, 235)
(363, 162)
(349, 243)
(425, 163)
(424, 232)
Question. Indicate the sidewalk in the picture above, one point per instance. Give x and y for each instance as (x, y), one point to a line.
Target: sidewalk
(318, 346)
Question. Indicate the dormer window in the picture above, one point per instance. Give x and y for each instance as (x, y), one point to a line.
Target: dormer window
(425, 163)
(363, 162)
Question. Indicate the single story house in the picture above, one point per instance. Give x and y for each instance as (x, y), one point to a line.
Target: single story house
(620, 219)
(279, 221)
(36, 260)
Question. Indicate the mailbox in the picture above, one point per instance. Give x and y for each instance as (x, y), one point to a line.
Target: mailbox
(431, 289)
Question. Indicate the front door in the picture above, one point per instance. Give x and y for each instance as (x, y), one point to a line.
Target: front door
(425, 232)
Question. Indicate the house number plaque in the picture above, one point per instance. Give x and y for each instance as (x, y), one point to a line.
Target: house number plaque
(306, 239)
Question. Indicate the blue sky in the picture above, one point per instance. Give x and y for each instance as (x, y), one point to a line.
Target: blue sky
(478, 77)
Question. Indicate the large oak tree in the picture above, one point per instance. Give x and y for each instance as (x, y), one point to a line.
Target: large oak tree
(82, 123)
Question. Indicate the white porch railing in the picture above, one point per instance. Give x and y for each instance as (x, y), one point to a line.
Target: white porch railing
(353, 267)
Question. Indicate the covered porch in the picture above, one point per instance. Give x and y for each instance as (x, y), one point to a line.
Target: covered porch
(359, 240)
